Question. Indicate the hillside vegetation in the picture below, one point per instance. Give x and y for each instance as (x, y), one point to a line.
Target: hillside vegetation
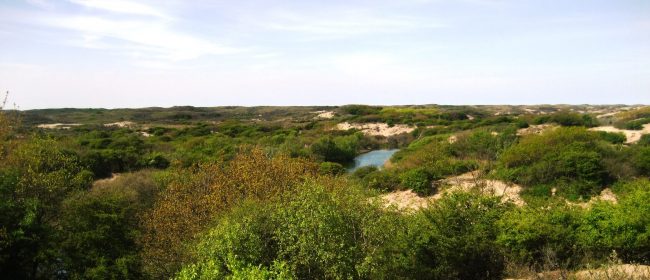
(263, 193)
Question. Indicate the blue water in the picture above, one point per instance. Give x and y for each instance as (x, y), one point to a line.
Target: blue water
(375, 158)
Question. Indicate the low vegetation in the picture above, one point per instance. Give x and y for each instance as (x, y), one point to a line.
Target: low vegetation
(264, 193)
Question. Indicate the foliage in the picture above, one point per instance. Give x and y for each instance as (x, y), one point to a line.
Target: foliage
(37, 177)
(528, 233)
(483, 144)
(569, 158)
(381, 180)
(416, 180)
(613, 137)
(331, 168)
(197, 196)
(340, 149)
(623, 227)
(641, 159)
(460, 238)
(645, 140)
(565, 118)
(362, 172)
(320, 233)
(107, 214)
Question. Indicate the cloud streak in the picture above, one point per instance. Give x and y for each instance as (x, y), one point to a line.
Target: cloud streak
(156, 39)
(147, 35)
(123, 7)
(344, 23)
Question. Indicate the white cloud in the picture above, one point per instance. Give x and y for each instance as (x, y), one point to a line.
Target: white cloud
(154, 39)
(344, 23)
(44, 4)
(121, 6)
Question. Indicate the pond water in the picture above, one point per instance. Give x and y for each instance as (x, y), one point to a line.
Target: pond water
(374, 158)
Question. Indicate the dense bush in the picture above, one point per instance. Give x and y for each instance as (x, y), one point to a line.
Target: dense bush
(645, 140)
(35, 177)
(622, 227)
(529, 234)
(340, 149)
(565, 118)
(382, 181)
(196, 196)
(641, 159)
(359, 110)
(460, 240)
(416, 180)
(569, 158)
(317, 234)
(364, 171)
(482, 144)
(331, 168)
(107, 214)
(613, 137)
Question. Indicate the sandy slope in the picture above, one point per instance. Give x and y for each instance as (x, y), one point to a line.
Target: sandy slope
(633, 136)
(377, 128)
(409, 201)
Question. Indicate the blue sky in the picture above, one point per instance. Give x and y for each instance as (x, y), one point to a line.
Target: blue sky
(138, 53)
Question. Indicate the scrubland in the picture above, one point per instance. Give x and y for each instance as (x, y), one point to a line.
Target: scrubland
(475, 192)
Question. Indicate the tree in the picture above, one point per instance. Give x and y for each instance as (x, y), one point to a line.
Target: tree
(106, 214)
(320, 232)
(571, 159)
(199, 195)
(36, 178)
(460, 240)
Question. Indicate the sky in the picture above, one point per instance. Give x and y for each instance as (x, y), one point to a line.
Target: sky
(143, 53)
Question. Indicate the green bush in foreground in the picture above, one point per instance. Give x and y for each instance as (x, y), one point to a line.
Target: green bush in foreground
(318, 234)
(417, 180)
(461, 238)
(570, 159)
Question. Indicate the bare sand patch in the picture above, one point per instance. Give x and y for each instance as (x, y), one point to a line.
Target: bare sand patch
(605, 195)
(632, 136)
(101, 183)
(58, 125)
(405, 200)
(120, 124)
(409, 201)
(324, 114)
(620, 271)
(508, 192)
(375, 129)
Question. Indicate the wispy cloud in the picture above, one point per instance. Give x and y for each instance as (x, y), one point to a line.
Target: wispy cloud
(121, 6)
(157, 38)
(43, 4)
(147, 35)
(345, 23)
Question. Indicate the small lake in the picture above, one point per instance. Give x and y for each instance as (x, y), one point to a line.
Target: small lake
(374, 158)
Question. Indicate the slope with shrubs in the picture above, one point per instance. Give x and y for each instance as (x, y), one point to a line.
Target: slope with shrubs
(286, 209)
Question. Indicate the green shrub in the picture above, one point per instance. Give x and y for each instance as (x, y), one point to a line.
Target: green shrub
(641, 159)
(645, 140)
(613, 137)
(566, 118)
(459, 242)
(529, 233)
(336, 149)
(417, 180)
(570, 158)
(622, 227)
(317, 234)
(331, 168)
(362, 172)
(482, 144)
(382, 181)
